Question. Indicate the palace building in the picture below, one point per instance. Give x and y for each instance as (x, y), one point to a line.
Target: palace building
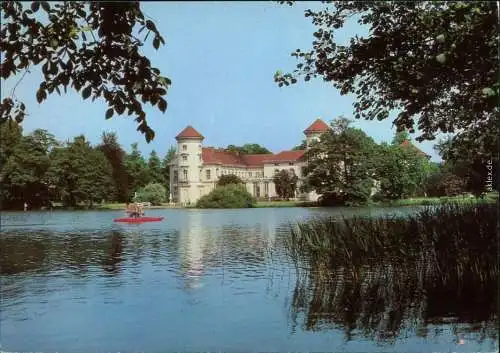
(196, 169)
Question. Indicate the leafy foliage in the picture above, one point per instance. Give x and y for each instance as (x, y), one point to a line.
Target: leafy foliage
(154, 168)
(115, 156)
(24, 176)
(248, 148)
(400, 137)
(81, 173)
(153, 192)
(88, 46)
(227, 179)
(461, 161)
(10, 135)
(137, 169)
(302, 146)
(341, 165)
(165, 169)
(435, 62)
(402, 170)
(38, 169)
(227, 196)
(285, 184)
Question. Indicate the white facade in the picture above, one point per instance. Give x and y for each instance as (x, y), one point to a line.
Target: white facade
(191, 176)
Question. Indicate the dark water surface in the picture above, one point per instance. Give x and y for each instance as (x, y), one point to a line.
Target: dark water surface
(214, 280)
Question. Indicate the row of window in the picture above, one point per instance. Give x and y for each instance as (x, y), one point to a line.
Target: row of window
(208, 173)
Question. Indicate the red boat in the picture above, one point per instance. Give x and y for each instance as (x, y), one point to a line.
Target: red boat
(138, 219)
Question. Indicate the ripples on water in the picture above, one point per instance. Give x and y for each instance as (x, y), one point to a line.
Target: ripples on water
(211, 280)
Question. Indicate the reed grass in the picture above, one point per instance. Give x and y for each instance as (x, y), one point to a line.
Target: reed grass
(383, 275)
(459, 235)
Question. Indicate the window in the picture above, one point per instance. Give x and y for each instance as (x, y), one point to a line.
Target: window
(276, 164)
(291, 163)
(292, 171)
(176, 176)
(185, 174)
(266, 189)
(184, 147)
(250, 174)
(208, 174)
(256, 190)
(276, 171)
(303, 171)
(184, 158)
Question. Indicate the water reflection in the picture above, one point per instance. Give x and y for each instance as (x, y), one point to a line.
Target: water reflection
(387, 301)
(193, 243)
(113, 256)
(122, 286)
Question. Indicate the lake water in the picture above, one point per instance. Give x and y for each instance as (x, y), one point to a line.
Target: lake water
(201, 280)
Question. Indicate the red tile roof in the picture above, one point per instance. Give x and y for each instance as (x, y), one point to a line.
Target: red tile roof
(317, 126)
(407, 143)
(189, 133)
(220, 156)
(256, 160)
(288, 156)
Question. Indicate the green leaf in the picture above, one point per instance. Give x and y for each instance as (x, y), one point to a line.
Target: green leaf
(164, 81)
(440, 38)
(40, 95)
(162, 105)
(109, 113)
(86, 92)
(119, 107)
(441, 58)
(150, 25)
(45, 6)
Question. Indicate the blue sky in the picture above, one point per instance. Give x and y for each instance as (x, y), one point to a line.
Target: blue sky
(221, 58)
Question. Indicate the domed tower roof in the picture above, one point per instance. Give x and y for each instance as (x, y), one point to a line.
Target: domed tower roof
(317, 126)
(189, 133)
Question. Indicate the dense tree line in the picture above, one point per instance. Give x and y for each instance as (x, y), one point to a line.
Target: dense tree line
(39, 170)
(347, 166)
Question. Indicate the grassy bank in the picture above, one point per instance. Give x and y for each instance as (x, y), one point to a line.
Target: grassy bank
(423, 201)
(122, 206)
(264, 204)
(428, 201)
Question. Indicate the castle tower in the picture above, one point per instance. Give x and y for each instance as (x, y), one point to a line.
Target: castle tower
(189, 163)
(314, 131)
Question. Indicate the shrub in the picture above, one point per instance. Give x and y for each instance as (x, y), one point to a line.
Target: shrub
(227, 196)
(153, 192)
(229, 179)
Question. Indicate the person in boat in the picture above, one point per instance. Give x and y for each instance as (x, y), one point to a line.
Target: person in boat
(140, 210)
(134, 210)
